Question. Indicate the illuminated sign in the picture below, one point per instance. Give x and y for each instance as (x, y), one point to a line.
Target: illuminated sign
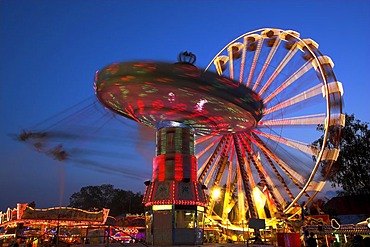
(162, 207)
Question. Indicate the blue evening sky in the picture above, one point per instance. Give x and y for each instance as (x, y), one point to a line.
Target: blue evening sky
(50, 50)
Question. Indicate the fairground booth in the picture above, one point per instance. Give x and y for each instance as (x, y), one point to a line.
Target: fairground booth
(29, 226)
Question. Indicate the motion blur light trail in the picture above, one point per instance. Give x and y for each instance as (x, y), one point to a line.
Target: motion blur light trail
(89, 136)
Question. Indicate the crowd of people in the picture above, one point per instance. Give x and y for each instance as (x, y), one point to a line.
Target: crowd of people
(354, 241)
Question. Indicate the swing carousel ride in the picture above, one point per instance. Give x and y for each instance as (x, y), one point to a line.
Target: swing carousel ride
(266, 116)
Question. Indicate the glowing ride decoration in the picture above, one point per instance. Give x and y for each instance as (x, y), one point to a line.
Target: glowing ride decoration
(69, 215)
(179, 100)
(242, 117)
(183, 95)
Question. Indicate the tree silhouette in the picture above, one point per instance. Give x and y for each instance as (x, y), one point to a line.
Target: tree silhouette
(106, 196)
(351, 171)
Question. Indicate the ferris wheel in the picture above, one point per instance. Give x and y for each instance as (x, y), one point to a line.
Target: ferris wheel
(287, 159)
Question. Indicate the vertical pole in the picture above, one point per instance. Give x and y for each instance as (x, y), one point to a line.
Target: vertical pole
(243, 231)
(227, 231)
(57, 237)
(108, 237)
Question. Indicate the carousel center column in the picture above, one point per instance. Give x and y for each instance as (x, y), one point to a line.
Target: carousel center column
(175, 200)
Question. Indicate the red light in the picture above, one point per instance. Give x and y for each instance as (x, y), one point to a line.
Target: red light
(179, 171)
(140, 105)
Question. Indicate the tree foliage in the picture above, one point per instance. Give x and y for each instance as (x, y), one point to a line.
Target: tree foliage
(106, 196)
(351, 171)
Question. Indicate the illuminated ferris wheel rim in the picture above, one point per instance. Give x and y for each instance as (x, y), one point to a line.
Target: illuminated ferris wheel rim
(330, 88)
(302, 43)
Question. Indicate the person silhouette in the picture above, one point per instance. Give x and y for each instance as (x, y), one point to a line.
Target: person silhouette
(311, 241)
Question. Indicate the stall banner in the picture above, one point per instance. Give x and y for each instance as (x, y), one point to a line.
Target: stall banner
(65, 213)
(317, 220)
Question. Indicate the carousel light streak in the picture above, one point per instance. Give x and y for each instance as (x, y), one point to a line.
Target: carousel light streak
(200, 105)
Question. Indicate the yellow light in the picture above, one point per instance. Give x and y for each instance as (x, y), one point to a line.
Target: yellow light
(260, 201)
(216, 192)
(161, 207)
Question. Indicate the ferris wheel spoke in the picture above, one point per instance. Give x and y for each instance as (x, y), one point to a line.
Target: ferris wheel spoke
(265, 150)
(245, 177)
(308, 94)
(294, 77)
(202, 139)
(303, 147)
(296, 178)
(228, 191)
(315, 120)
(219, 166)
(267, 154)
(278, 69)
(207, 148)
(266, 181)
(254, 62)
(247, 163)
(230, 201)
(216, 173)
(211, 174)
(272, 52)
(258, 198)
(243, 61)
(241, 196)
(204, 169)
(257, 161)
